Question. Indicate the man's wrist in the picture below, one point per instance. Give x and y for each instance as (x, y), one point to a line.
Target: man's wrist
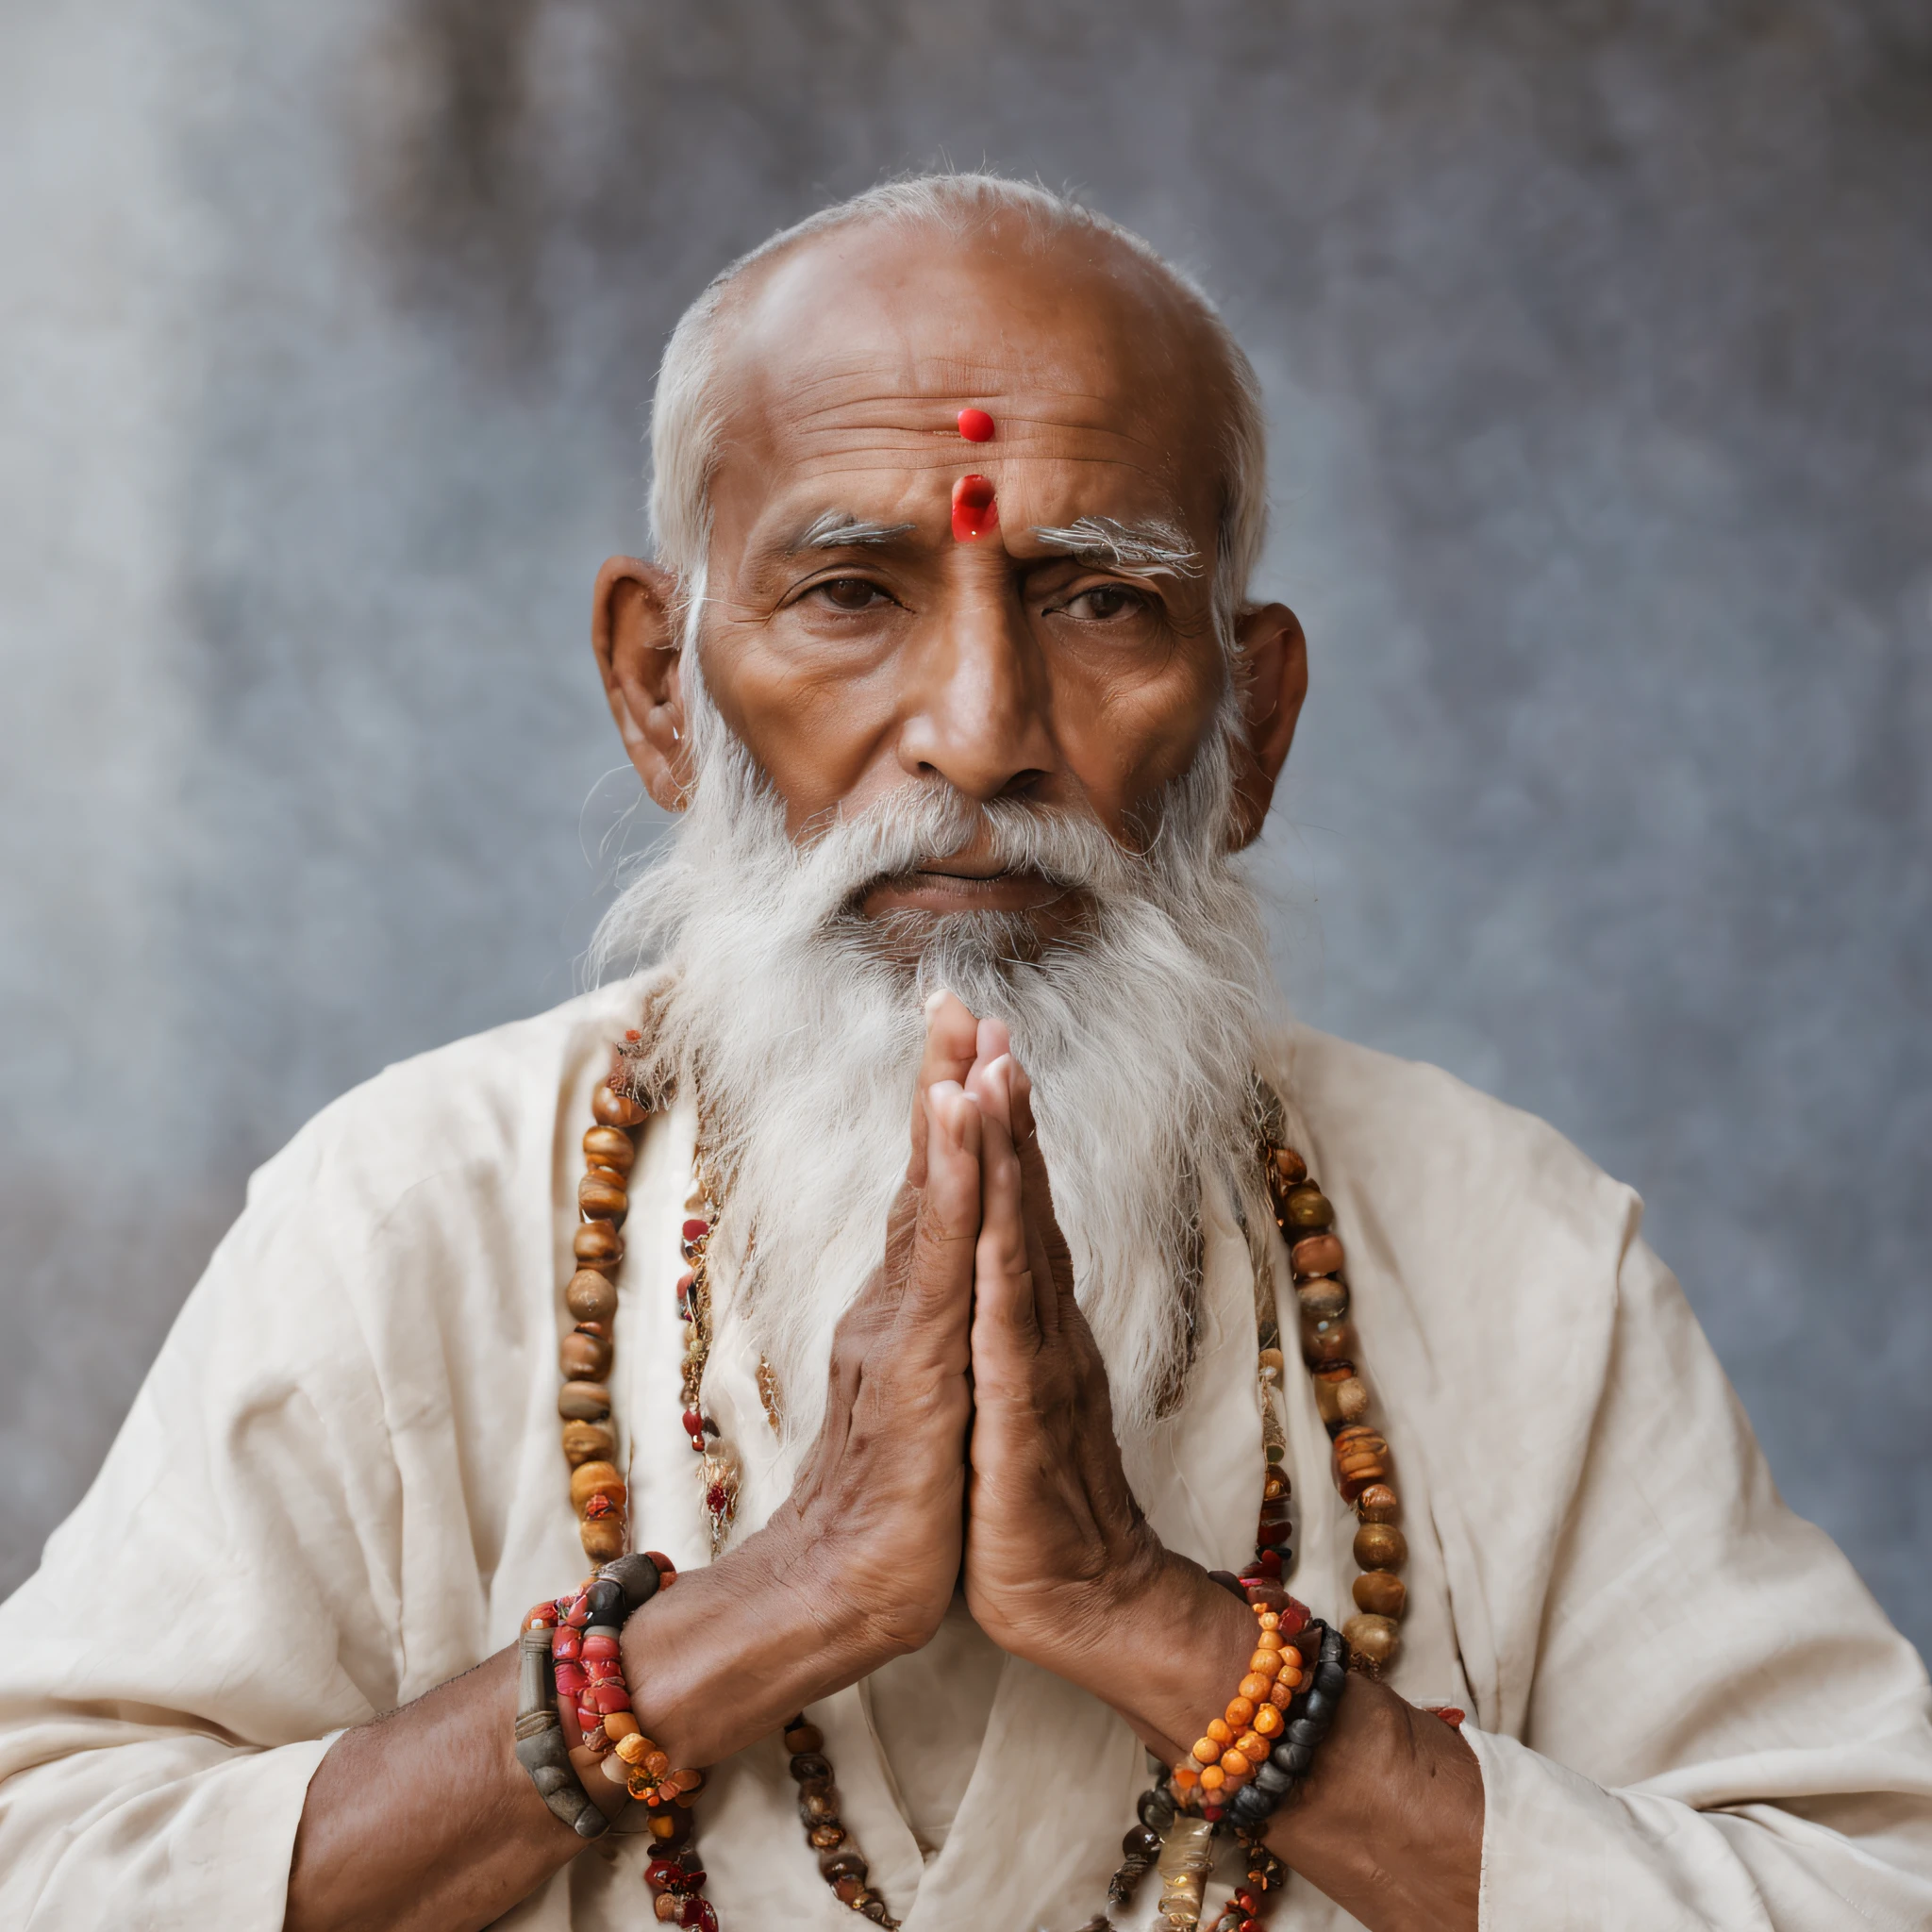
(1160, 1641)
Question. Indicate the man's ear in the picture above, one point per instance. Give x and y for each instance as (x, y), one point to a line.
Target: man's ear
(633, 629)
(1274, 673)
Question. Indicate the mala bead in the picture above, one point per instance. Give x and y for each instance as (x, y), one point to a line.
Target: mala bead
(590, 1296)
(1340, 1396)
(584, 1357)
(1378, 1504)
(1322, 1300)
(802, 1737)
(1328, 1341)
(1316, 1254)
(809, 1766)
(1287, 1167)
(600, 1199)
(588, 1442)
(609, 1147)
(588, 1402)
(597, 1243)
(1307, 1208)
(614, 1109)
(589, 1479)
(1380, 1546)
(1380, 1593)
(1371, 1638)
(1362, 1457)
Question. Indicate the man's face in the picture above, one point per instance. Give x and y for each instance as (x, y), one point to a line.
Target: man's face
(856, 641)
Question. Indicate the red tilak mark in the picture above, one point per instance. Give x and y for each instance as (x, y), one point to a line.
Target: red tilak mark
(975, 512)
(975, 426)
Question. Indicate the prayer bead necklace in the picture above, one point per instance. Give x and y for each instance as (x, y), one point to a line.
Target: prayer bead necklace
(1178, 1842)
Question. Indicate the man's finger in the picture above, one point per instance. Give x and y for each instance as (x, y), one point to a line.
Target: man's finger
(1003, 1279)
(937, 1300)
(951, 1045)
(1038, 1187)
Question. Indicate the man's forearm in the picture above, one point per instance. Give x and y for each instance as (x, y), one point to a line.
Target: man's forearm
(423, 1821)
(1388, 1823)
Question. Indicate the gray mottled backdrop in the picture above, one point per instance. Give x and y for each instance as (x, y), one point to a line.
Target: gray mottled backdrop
(1596, 337)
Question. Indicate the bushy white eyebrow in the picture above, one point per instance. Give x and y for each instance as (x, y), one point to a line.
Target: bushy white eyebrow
(1156, 549)
(836, 528)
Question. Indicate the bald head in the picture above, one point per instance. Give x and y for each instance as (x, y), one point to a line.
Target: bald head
(973, 284)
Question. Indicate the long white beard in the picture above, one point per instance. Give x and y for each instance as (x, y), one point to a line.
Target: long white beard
(804, 1041)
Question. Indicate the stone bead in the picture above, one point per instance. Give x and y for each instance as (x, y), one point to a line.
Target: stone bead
(1341, 1394)
(1323, 1300)
(1156, 1811)
(1372, 1637)
(609, 1147)
(818, 1807)
(1362, 1457)
(584, 1358)
(602, 1539)
(1380, 1546)
(842, 1863)
(1290, 1170)
(598, 1242)
(590, 1296)
(825, 1837)
(1140, 1842)
(589, 1479)
(1307, 1208)
(1378, 1504)
(807, 1765)
(1328, 1341)
(1316, 1254)
(588, 1442)
(614, 1109)
(800, 1737)
(600, 1201)
(585, 1402)
(1380, 1593)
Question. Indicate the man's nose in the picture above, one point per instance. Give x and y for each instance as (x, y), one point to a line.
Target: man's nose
(976, 703)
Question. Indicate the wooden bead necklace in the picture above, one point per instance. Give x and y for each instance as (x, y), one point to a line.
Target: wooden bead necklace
(1178, 1843)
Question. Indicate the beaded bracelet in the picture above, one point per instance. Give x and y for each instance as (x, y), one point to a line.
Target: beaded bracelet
(571, 1698)
(1253, 1755)
(1310, 1715)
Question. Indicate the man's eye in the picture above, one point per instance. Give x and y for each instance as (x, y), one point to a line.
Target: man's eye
(1106, 602)
(848, 593)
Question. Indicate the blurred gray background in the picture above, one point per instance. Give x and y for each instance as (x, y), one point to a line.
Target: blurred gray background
(1598, 340)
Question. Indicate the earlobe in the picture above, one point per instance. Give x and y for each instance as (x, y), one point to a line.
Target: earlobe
(636, 640)
(1273, 671)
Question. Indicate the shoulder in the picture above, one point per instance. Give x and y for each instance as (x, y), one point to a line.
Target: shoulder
(480, 1108)
(1468, 1210)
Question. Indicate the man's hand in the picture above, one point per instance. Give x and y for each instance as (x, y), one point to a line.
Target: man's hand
(1062, 1566)
(876, 1516)
(1055, 1540)
(860, 1561)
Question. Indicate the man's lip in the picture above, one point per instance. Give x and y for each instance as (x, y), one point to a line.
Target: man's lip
(939, 885)
(958, 869)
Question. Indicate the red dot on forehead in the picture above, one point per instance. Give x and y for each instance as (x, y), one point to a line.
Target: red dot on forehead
(975, 512)
(975, 426)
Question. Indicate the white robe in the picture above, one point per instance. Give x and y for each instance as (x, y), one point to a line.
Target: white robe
(341, 1485)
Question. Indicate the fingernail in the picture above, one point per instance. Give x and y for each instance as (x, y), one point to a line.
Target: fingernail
(934, 1000)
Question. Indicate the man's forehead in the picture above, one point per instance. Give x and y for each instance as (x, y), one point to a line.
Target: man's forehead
(891, 335)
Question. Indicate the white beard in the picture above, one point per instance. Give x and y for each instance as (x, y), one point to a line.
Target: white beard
(804, 1041)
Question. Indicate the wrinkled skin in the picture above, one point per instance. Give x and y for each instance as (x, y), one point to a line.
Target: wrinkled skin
(1008, 669)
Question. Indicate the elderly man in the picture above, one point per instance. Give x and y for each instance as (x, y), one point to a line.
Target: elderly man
(941, 1286)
